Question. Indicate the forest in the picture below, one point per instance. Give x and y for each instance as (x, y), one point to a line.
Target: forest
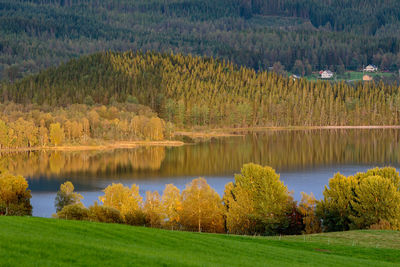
(299, 36)
(191, 91)
(256, 203)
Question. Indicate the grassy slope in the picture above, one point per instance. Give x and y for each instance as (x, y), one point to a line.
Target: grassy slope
(48, 242)
(352, 76)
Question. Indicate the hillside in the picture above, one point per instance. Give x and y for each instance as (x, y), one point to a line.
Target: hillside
(198, 91)
(302, 35)
(36, 241)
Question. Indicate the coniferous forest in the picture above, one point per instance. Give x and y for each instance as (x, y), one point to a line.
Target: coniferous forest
(196, 91)
(296, 35)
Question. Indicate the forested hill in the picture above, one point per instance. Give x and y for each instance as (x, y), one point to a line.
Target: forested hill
(303, 35)
(191, 90)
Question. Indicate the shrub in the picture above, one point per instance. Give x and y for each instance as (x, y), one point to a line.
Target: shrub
(100, 213)
(137, 217)
(73, 212)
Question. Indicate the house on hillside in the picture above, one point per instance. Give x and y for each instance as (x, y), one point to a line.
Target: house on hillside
(326, 74)
(367, 78)
(371, 68)
(294, 77)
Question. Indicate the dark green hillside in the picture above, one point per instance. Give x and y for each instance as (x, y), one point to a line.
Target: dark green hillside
(48, 242)
(303, 35)
(190, 91)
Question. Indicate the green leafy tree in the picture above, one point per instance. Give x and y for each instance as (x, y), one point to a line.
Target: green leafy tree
(335, 208)
(377, 199)
(66, 196)
(259, 199)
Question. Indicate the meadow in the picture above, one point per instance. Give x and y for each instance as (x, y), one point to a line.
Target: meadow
(32, 241)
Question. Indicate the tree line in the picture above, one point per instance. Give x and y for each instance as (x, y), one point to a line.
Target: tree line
(336, 34)
(40, 126)
(256, 203)
(193, 91)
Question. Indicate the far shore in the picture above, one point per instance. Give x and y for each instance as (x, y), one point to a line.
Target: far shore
(227, 132)
(202, 134)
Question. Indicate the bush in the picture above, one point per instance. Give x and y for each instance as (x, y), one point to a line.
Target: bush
(73, 212)
(137, 217)
(381, 225)
(100, 213)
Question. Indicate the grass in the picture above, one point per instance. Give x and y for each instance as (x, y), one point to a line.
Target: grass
(30, 241)
(351, 76)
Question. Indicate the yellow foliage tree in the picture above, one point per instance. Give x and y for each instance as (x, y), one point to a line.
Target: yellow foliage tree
(153, 209)
(239, 208)
(172, 205)
(14, 195)
(56, 134)
(202, 209)
(126, 200)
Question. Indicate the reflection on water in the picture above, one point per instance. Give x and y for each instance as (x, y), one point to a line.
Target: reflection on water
(305, 159)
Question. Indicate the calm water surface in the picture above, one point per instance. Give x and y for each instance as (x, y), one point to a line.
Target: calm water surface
(306, 160)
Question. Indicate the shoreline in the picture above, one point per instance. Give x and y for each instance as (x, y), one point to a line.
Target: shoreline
(111, 146)
(229, 132)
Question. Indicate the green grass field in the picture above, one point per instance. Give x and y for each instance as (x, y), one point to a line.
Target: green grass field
(30, 241)
(350, 76)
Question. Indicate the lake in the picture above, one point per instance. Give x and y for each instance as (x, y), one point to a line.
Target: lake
(305, 160)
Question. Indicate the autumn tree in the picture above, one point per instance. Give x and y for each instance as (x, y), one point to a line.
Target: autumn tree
(202, 209)
(4, 138)
(257, 202)
(66, 196)
(56, 134)
(239, 210)
(172, 205)
(14, 195)
(307, 208)
(153, 209)
(127, 200)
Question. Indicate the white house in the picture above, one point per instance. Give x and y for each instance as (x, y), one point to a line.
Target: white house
(371, 68)
(326, 74)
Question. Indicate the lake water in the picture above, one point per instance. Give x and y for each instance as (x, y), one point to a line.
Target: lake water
(305, 160)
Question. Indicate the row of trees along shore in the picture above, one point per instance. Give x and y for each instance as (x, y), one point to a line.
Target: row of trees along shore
(82, 124)
(191, 91)
(256, 203)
